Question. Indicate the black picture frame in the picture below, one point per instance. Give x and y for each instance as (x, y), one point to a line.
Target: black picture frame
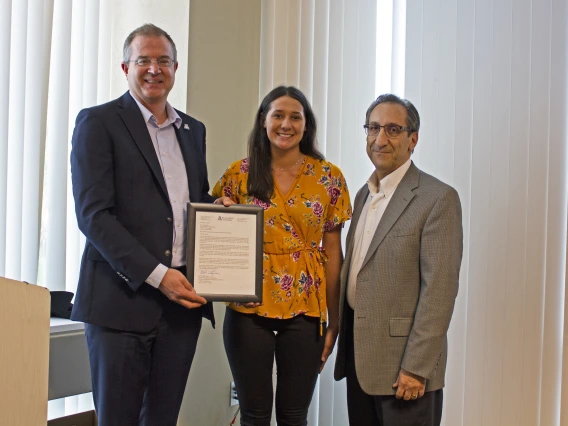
(255, 295)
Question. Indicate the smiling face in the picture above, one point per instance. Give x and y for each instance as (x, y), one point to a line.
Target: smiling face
(388, 154)
(285, 124)
(152, 84)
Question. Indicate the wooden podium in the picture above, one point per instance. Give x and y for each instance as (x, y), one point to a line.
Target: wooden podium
(24, 353)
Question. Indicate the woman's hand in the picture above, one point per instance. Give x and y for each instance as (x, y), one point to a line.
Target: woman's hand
(226, 201)
(330, 338)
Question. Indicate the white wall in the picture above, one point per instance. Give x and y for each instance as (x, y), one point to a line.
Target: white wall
(224, 56)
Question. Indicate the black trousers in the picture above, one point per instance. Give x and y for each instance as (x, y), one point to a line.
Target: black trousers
(252, 343)
(385, 410)
(139, 378)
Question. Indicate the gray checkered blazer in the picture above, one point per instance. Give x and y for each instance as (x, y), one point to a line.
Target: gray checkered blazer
(406, 287)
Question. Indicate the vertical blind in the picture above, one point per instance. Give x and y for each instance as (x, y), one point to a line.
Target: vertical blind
(489, 79)
(54, 71)
(39, 239)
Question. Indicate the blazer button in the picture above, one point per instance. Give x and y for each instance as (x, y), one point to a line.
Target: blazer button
(168, 253)
(169, 220)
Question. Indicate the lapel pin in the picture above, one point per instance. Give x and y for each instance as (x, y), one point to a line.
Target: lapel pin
(186, 126)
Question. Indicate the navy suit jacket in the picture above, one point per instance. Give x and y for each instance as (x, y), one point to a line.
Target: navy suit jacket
(122, 207)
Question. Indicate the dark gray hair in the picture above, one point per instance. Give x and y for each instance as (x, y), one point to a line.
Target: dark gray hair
(412, 116)
(146, 30)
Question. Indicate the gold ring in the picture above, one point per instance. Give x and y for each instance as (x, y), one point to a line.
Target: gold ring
(414, 396)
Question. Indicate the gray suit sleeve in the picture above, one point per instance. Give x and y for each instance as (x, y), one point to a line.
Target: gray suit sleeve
(441, 249)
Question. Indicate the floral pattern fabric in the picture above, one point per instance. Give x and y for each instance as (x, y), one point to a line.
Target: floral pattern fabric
(294, 223)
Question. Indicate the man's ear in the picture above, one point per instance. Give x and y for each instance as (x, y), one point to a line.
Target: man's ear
(124, 69)
(414, 141)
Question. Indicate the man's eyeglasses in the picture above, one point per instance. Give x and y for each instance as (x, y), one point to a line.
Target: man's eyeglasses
(392, 130)
(147, 62)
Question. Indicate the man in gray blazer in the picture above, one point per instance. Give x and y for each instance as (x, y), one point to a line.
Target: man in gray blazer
(399, 279)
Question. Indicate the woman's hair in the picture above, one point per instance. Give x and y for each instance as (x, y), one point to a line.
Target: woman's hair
(260, 182)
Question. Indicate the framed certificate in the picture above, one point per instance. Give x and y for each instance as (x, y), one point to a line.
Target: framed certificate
(224, 251)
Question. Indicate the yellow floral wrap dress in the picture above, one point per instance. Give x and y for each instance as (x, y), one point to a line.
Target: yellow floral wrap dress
(293, 259)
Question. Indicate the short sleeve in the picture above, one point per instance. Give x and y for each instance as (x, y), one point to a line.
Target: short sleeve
(339, 210)
(228, 184)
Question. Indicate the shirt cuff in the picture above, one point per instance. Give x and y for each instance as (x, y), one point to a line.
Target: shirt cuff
(157, 275)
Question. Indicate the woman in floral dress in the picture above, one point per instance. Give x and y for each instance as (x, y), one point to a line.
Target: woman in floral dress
(306, 203)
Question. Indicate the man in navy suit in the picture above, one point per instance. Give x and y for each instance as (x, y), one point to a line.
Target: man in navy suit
(135, 164)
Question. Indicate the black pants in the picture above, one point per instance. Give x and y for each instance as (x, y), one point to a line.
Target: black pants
(385, 410)
(252, 343)
(140, 378)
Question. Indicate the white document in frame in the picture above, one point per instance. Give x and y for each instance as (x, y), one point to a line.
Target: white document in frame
(225, 248)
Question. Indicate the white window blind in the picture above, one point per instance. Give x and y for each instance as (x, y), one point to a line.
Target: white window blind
(490, 81)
